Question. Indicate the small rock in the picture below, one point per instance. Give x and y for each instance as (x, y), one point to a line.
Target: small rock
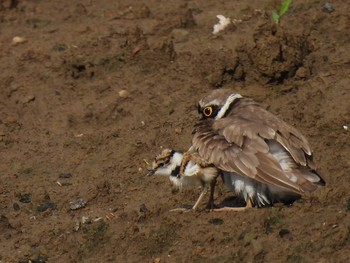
(4, 221)
(328, 8)
(283, 232)
(10, 120)
(301, 73)
(2, 130)
(178, 130)
(143, 209)
(80, 203)
(65, 175)
(123, 93)
(247, 239)
(216, 221)
(76, 226)
(223, 23)
(86, 220)
(59, 47)
(257, 247)
(115, 134)
(16, 207)
(179, 35)
(18, 40)
(25, 198)
(47, 203)
(83, 29)
(28, 99)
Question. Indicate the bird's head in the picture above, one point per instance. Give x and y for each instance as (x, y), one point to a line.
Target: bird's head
(217, 103)
(166, 163)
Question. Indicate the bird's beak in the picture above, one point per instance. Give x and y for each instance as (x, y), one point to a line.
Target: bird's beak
(150, 172)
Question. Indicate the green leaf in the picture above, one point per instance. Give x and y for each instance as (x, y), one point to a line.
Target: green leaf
(276, 17)
(284, 7)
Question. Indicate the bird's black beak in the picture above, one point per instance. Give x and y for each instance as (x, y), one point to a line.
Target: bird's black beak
(150, 172)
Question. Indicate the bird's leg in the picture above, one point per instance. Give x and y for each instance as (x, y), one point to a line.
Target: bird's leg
(203, 193)
(249, 204)
(210, 204)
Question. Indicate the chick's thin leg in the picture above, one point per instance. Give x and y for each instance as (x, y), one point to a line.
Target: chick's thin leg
(203, 193)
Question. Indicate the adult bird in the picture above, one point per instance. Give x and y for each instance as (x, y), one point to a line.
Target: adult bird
(261, 157)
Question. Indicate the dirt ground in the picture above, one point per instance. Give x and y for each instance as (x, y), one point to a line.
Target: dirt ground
(91, 89)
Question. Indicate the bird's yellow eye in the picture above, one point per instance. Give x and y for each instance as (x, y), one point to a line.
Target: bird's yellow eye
(208, 111)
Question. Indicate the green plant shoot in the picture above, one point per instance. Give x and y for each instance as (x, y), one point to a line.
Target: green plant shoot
(284, 8)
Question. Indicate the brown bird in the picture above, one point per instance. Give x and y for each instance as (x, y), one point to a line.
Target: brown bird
(186, 169)
(261, 157)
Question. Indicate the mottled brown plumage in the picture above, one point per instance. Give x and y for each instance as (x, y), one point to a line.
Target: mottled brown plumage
(240, 137)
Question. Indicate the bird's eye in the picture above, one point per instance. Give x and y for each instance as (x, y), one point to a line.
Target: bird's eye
(208, 111)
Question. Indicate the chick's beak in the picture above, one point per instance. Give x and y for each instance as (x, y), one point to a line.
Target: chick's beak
(150, 172)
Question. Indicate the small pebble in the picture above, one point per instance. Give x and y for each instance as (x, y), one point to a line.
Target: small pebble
(115, 134)
(178, 130)
(25, 198)
(2, 130)
(18, 40)
(10, 120)
(143, 209)
(16, 207)
(257, 247)
(39, 259)
(65, 175)
(47, 203)
(346, 127)
(80, 203)
(76, 226)
(247, 239)
(86, 220)
(123, 93)
(28, 99)
(216, 221)
(283, 232)
(328, 8)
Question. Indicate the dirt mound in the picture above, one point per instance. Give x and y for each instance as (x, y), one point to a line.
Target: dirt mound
(275, 55)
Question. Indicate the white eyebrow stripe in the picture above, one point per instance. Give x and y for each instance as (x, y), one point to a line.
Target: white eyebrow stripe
(213, 102)
(227, 104)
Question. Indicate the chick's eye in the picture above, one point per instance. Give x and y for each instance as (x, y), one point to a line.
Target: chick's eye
(208, 111)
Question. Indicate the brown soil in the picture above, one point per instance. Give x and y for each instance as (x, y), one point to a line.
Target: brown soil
(62, 115)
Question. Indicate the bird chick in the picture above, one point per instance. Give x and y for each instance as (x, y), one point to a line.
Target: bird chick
(185, 170)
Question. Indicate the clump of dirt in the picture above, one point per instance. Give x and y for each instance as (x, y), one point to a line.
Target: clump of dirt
(275, 55)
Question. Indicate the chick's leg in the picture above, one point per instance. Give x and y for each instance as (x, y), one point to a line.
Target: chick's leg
(203, 193)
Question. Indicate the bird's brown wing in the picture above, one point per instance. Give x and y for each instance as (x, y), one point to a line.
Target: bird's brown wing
(238, 143)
